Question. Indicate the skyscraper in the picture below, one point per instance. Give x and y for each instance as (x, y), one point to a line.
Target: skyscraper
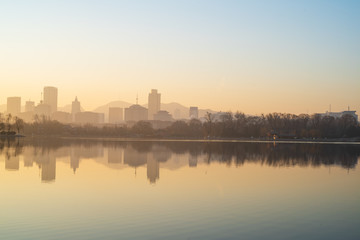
(154, 103)
(75, 108)
(14, 105)
(50, 98)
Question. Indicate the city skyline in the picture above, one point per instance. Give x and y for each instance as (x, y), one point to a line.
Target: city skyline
(52, 102)
(296, 57)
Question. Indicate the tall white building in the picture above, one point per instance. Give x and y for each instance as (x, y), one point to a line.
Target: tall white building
(154, 102)
(51, 98)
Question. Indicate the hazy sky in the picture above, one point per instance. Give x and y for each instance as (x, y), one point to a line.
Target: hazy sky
(252, 56)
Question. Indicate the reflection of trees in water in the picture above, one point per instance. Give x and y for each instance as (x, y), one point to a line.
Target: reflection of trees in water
(283, 154)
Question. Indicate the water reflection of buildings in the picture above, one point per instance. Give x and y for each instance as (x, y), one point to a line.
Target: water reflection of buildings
(152, 169)
(74, 160)
(115, 155)
(47, 164)
(134, 158)
(12, 163)
(172, 156)
(84, 152)
(48, 168)
(28, 157)
(193, 159)
(151, 157)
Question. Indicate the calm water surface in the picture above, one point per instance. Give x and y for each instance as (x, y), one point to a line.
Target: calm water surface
(87, 189)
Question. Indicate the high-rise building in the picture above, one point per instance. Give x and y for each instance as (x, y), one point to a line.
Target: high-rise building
(29, 106)
(63, 117)
(115, 115)
(75, 108)
(194, 112)
(154, 103)
(14, 105)
(89, 118)
(51, 98)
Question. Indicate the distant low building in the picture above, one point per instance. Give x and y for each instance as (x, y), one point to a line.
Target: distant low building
(194, 112)
(340, 114)
(63, 117)
(42, 110)
(29, 106)
(163, 116)
(156, 124)
(89, 118)
(218, 117)
(136, 113)
(177, 113)
(27, 116)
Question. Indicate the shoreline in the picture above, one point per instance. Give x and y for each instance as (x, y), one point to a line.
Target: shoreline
(214, 140)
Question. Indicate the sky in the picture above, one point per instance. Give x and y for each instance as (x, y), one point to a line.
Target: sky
(250, 56)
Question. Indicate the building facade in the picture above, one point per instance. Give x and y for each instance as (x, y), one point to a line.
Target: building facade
(194, 112)
(154, 103)
(14, 105)
(89, 118)
(163, 116)
(51, 98)
(75, 108)
(136, 113)
(115, 115)
(29, 106)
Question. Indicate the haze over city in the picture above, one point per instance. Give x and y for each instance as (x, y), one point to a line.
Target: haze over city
(180, 119)
(296, 57)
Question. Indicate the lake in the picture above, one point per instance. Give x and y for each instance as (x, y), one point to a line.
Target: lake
(108, 189)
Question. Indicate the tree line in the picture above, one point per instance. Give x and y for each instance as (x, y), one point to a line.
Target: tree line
(228, 125)
(10, 125)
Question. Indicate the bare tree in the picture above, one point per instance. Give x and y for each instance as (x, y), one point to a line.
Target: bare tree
(8, 122)
(19, 124)
(209, 124)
